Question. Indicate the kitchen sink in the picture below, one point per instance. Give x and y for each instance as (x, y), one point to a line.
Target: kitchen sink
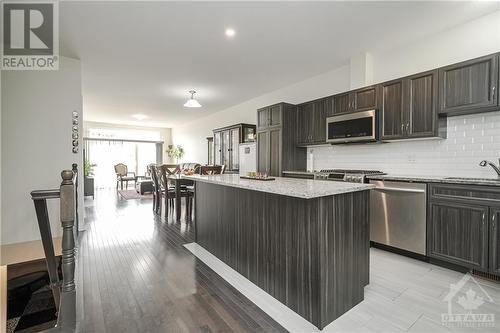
(474, 179)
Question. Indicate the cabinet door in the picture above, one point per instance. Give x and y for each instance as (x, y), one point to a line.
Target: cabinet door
(275, 115)
(330, 106)
(342, 103)
(365, 99)
(469, 85)
(275, 152)
(217, 147)
(263, 151)
(234, 149)
(495, 240)
(421, 101)
(318, 128)
(458, 233)
(262, 117)
(304, 123)
(225, 149)
(392, 110)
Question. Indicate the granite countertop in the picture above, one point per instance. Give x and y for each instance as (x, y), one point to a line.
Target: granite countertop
(438, 179)
(293, 187)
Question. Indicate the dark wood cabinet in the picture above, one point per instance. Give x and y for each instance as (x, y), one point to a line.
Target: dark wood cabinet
(312, 121)
(226, 144)
(495, 240)
(459, 233)
(409, 108)
(422, 98)
(356, 100)
(392, 110)
(469, 86)
(263, 151)
(342, 103)
(462, 226)
(275, 151)
(277, 140)
(269, 116)
(305, 115)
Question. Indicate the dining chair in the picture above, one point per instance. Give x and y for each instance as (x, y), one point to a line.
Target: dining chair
(122, 175)
(153, 171)
(211, 169)
(168, 192)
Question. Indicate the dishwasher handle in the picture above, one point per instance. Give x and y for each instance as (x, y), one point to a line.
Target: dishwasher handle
(395, 189)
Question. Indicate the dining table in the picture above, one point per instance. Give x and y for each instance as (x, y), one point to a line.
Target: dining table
(179, 181)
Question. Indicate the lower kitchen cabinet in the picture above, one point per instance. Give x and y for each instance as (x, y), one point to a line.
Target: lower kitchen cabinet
(459, 233)
(495, 240)
(462, 226)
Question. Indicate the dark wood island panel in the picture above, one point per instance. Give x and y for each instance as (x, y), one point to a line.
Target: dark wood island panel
(310, 254)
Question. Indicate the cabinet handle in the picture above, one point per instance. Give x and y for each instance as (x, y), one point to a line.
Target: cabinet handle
(484, 218)
(407, 128)
(402, 128)
(493, 92)
(493, 222)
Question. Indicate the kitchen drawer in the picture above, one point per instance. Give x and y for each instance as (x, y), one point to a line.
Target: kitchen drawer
(487, 194)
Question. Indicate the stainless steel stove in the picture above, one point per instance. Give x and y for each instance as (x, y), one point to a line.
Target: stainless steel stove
(343, 175)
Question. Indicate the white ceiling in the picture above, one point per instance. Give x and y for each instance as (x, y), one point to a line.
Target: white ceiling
(144, 57)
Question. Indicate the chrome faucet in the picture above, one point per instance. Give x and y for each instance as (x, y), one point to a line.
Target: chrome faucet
(493, 165)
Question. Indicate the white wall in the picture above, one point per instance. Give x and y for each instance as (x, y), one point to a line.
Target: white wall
(193, 135)
(472, 39)
(36, 143)
(165, 133)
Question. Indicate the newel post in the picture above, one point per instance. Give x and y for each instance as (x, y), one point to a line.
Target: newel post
(68, 222)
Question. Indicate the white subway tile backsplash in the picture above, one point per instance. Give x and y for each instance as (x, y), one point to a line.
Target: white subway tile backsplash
(471, 139)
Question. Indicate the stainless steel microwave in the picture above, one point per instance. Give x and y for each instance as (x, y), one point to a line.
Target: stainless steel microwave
(359, 126)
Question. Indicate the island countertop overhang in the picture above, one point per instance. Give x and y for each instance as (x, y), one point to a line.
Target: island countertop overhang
(293, 187)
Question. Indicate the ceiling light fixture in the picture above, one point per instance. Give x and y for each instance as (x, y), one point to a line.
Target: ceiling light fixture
(230, 32)
(139, 116)
(192, 102)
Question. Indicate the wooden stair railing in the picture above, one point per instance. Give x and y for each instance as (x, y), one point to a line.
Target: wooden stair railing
(64, 291)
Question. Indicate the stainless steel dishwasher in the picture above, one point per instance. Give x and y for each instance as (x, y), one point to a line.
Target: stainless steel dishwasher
(398, 215)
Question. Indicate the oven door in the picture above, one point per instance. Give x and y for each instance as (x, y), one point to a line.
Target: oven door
(352, 127)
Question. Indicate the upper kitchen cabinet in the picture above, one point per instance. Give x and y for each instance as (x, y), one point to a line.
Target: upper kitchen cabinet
(226, 144)
(311, 121)
(409, 107)
(392, 110)
(356, 100)
(276, 143)
(269, 116)
(469, 86)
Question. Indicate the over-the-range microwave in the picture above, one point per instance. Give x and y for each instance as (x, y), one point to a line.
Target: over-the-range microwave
(361, 126)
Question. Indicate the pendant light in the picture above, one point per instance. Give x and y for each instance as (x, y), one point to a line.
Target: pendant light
(192, 102)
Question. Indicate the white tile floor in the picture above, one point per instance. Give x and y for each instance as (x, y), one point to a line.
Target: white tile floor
(404, 295)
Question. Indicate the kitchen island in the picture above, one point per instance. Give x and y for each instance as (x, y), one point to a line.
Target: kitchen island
(304, 242)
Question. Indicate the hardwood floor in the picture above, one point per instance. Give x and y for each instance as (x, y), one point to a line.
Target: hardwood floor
(135, 276)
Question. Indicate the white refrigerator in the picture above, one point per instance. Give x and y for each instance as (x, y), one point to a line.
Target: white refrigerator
(248, 157)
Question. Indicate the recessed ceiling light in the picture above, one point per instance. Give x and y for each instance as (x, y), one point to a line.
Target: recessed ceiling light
(139, 116)
(230, 32)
